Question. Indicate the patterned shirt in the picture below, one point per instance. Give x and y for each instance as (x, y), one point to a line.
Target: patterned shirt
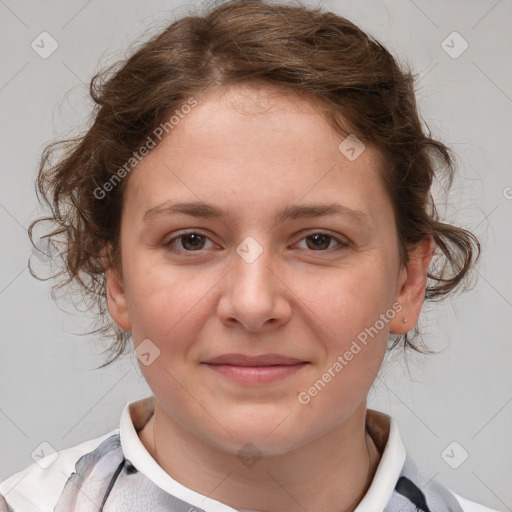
(115, 473)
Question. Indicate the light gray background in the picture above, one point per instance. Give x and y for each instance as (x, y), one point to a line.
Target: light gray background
(49, 388)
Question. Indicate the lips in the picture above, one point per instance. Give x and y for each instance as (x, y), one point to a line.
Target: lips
(261, 360)
(255, 370)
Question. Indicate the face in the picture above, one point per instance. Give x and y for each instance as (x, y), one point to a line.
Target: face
(294, 253)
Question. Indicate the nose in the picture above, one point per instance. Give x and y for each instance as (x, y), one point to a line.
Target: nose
(254, 296)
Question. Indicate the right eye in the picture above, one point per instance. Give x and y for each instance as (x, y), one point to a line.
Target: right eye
(190, 241)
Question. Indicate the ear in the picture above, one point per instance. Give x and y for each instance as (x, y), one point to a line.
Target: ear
(412, 286)
(116, 295)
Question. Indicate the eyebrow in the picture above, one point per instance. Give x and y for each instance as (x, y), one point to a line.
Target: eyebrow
(296, 211)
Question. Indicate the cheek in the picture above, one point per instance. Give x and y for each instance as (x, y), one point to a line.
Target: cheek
(352, 299)
(165, 300)
(355, 306)
(351, 306)
(169, 306)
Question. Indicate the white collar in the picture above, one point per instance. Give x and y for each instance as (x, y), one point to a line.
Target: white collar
(384, 432)
(381, 427)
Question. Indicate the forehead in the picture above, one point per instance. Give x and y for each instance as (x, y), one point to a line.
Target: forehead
(258, 147)
(251, 121)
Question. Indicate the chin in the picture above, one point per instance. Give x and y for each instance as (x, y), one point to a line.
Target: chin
(260, 439)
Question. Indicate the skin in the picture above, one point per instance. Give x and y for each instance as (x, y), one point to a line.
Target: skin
(252, 150)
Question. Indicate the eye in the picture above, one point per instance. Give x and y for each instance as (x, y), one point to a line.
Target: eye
(320, 241)
(194, 241)
(190, 241)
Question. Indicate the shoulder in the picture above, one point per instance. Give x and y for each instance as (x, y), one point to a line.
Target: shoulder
(39, 486)
(398, 484)
(471, 506)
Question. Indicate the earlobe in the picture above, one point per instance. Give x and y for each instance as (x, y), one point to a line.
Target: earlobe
(116, 298)
(412, 286)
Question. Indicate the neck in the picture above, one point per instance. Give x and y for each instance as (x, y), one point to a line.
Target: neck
(341, 464)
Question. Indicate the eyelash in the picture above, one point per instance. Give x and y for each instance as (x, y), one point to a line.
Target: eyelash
(341, 243)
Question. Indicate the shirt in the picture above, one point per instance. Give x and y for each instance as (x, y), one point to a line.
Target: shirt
(115, 473)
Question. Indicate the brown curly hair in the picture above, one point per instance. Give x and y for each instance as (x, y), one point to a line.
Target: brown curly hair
(316, 54)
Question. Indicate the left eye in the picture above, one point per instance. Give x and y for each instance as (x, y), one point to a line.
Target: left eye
(194, 241)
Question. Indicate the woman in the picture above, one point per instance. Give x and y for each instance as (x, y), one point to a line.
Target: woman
(252, 204)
